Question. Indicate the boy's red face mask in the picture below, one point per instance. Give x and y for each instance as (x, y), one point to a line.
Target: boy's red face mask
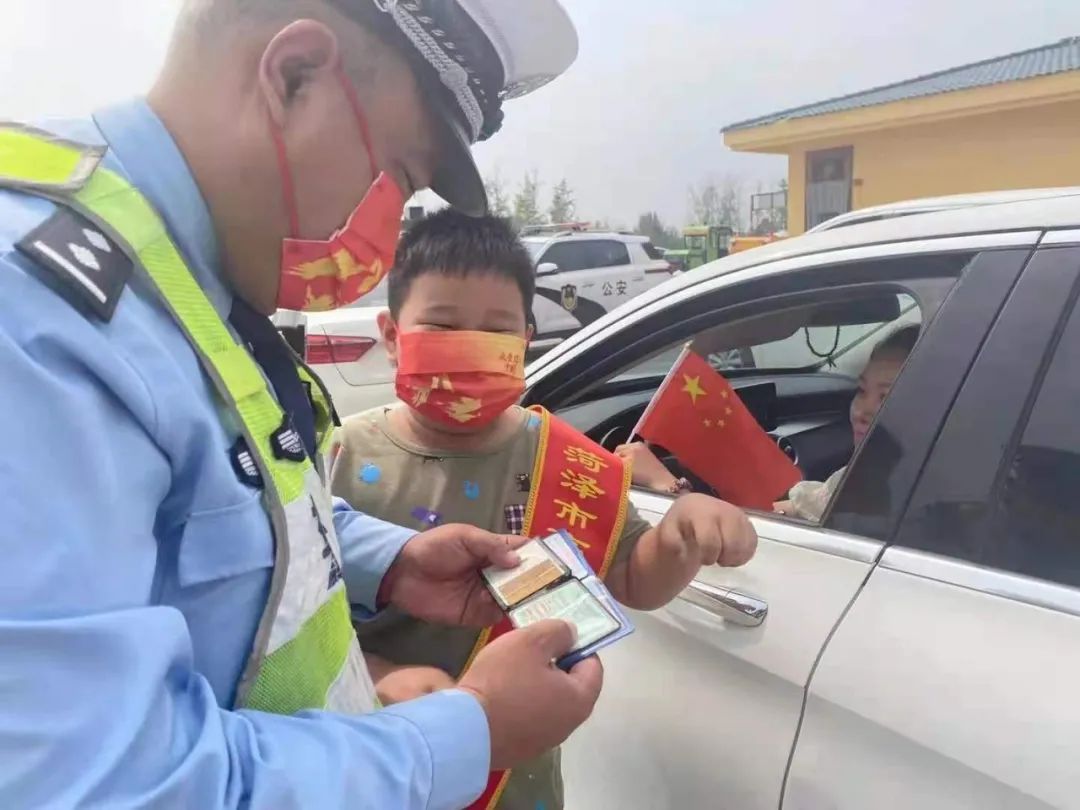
(322, 274)
(460, 379)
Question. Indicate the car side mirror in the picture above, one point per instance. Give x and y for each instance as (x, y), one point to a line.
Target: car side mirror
(547, 269)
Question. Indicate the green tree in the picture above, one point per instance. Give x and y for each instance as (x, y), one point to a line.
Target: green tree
(714, 203)
(730, 208)
(498, 197)
(705, 203)
(563, 206)
(527, 202)
(659, 234)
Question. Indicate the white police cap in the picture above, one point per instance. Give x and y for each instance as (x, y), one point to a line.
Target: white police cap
(470, 56)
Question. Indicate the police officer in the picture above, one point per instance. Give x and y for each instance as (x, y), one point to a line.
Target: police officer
(174, 624)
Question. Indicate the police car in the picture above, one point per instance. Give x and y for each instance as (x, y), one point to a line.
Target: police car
(583, 274)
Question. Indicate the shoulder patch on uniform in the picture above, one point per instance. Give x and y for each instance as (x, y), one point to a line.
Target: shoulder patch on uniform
(287, 444)
(243, 463)
(91, 269)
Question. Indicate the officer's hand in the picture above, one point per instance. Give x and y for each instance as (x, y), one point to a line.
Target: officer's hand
(531, 705)
(436, 576)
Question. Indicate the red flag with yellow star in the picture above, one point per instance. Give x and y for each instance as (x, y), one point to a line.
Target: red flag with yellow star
(697, 416)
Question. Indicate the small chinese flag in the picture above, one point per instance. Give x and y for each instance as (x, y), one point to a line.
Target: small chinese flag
(697, 416)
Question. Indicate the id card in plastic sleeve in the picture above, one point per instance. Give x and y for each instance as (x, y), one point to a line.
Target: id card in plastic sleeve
(539, 568)
(529, 594)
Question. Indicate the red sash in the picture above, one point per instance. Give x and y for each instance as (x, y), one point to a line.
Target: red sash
(578, 486)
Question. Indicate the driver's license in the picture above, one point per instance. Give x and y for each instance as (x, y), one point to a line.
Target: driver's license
(538, 569)
(572, 603)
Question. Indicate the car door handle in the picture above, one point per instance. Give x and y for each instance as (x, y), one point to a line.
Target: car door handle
(731, 606)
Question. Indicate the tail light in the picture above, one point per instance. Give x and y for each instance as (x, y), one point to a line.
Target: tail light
(324, 349)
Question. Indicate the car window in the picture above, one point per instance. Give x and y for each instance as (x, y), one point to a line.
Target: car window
(535, 247)
(607, 253)
(1038, 532)
(999, 489)
(652, 251)
(569, 256)
(818, 326)
(836, 349)
(809, 414)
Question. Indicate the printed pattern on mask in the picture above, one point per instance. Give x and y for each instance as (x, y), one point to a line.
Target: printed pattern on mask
(460, 377)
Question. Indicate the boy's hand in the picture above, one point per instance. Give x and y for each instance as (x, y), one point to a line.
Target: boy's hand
(708, 530)
(400, 684)
(436, 577)
(696, 531)
(646, 469)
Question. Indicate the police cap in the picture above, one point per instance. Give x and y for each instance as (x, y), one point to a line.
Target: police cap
(469, 57)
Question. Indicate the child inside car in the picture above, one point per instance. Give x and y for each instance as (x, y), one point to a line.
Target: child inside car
(808, 499)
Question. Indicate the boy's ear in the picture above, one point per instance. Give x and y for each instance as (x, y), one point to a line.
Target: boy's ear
(389, 331)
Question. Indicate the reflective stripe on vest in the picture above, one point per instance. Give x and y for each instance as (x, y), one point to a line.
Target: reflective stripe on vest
(305, 654)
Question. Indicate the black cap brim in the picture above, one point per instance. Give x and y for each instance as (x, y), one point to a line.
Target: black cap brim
(457, 178)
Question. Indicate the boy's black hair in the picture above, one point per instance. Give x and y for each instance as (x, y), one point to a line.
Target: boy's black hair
(899, 343)
(454, 244)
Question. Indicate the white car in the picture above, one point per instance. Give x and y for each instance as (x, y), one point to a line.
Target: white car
(345, 349)
(920, 647)
(927, 205)
(582, 275)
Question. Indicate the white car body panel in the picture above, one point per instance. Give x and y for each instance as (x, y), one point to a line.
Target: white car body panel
(552, 317)
(362, 384)
(928, 205)
(881, 703)
(677, 689)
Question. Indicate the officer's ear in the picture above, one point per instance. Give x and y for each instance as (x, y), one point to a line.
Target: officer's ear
(302, 56)
(389, 330)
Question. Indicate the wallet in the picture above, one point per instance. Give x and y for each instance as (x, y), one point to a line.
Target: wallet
(553, 581)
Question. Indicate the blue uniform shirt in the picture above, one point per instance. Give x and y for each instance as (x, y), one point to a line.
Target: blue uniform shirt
(134, 565)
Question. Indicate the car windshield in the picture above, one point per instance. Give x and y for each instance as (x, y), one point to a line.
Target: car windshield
(652, 251)
(535, 247)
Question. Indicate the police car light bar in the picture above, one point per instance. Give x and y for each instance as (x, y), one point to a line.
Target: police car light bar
(532, 230)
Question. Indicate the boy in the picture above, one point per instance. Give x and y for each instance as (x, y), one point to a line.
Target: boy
(460, 450)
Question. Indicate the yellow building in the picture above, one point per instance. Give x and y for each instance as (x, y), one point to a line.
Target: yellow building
(1005, 123)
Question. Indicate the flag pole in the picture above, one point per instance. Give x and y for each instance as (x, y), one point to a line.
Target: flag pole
(659, 391)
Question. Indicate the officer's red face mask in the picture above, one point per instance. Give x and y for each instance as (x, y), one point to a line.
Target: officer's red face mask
(322, 274)
(459, 379)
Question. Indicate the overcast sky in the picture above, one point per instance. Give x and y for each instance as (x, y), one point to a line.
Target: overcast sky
(637, 118)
